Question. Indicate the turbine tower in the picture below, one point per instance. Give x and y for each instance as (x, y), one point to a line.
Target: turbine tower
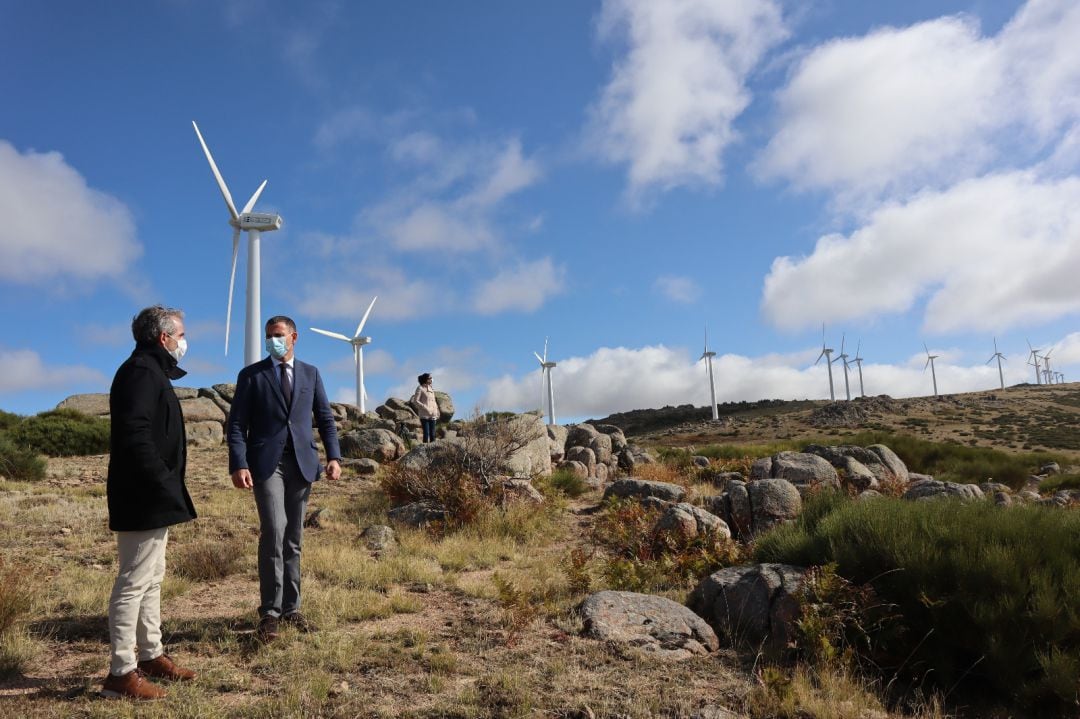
(357, 342)
(1046, 364)
(707, 356)
(930, 363)
(858, 363)
(826, 352)
(999, 356)
(546, 366)
(1033, 360)
(254, 223)
(842, 357)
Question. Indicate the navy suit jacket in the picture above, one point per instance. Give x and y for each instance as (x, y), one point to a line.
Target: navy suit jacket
(260, 422)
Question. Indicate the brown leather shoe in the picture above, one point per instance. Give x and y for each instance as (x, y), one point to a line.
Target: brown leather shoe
(268, 628)
(133, 685)
(299, 622)
(164, 668)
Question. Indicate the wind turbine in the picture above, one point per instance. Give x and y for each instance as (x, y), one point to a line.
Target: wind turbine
(858, 362)
(707, 356)
(1061, 377)
(357, 343)
(843, 357)
(1046, 364)
(930, 363)
(546, 366)
(999, 356)
(1034, 355)
(826, 352)
(253, 223)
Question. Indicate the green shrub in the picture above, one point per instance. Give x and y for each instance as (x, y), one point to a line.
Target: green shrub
(19, 463)
(982, 600)
(8, 420)
(205, 560)
(565, 481)
(1060, 481)
(63, 433)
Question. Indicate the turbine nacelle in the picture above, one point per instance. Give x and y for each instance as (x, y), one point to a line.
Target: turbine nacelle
(260, 221)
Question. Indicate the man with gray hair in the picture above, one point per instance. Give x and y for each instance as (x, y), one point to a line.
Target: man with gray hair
(146, 495)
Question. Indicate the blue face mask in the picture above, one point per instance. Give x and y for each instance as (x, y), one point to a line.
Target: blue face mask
(276, 347)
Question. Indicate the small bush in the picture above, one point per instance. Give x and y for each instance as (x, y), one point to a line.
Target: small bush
(17, 590)
(18, 463)
(62, 433)
(205, 560)
(565, 481)
(1059, 481)
(8, 420)
(637, 558)
(980, 601)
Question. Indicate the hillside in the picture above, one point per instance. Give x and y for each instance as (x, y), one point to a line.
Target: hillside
(1019, 418)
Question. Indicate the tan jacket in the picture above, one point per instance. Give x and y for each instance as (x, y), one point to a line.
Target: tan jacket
(424, 401)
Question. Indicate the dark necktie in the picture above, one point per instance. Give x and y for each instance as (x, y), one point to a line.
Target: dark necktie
(286, 385)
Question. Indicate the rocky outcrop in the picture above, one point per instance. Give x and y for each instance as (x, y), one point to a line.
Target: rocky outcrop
(92, 404)
(650, 623)
(639, 488)
(688, 522)
(754, 605)
(750, 509)
(380, 445)
(418, 514)
(929, 489)
(446, 406)
(802, 469)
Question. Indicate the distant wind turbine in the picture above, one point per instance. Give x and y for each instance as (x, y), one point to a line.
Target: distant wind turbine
(826, 352)
(357, 342)
(254, 224)
(707, 356)
(842, 357)
(930, 363)
(858, 363)
(546, 366)
(1033, 360)
(999, 356)
(1046, 364)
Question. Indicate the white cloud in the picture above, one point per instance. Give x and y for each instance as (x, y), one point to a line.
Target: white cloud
(400, 297)
(55, 226)
(677, 289)
(24, 370)
(987, 254)
(611, 380)
(930, 103)
(524, 288)
(452, 205)
(668, 110)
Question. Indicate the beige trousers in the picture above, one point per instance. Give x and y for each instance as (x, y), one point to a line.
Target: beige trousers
(135, 605)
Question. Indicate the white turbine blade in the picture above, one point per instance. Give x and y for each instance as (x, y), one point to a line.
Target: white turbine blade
(926, 348)
(843, 338)
(217, 174)
(254, 198)
(538, 358)
(232, 280)
(335, 335)
(364, 318)
(545, 349)
(819, 357)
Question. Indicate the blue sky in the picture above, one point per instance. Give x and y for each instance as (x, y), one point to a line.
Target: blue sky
(612, 175)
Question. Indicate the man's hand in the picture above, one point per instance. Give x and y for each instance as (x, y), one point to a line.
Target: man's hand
(333, 470)
(241, 479)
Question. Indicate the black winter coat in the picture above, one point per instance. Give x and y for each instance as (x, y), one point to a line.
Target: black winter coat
(147, 446)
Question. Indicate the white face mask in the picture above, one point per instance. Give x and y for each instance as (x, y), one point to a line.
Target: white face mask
(181, 349)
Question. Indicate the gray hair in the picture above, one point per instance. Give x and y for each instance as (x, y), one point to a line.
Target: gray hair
(147, 326)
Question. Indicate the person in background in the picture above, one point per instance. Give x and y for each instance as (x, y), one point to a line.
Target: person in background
(272, 452)
(427, 407)
(146, 495)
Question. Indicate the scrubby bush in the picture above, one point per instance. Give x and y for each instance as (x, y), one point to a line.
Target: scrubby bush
(8, 420)
(18, 586)
(19, 463)
(62, 433)
(204, 560)
(635, 557)
(565, 481)
(982, 601)
(1059, 481)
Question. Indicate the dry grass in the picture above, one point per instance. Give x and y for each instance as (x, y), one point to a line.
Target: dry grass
(477, 623)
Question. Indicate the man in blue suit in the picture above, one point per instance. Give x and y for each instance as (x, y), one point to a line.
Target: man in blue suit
(272, 451)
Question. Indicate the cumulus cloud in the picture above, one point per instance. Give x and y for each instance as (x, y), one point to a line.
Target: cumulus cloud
(401, 296)
(677, 289)
(610, 380)
(986, 254)
(668, 109)
(56, 226)
(452, 204)
(929, 103)
(524, 288)
(25, 370)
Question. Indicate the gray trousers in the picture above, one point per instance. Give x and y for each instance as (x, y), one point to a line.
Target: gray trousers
(281, 501)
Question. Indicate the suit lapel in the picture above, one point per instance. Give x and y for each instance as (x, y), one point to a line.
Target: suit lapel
(275, 383)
